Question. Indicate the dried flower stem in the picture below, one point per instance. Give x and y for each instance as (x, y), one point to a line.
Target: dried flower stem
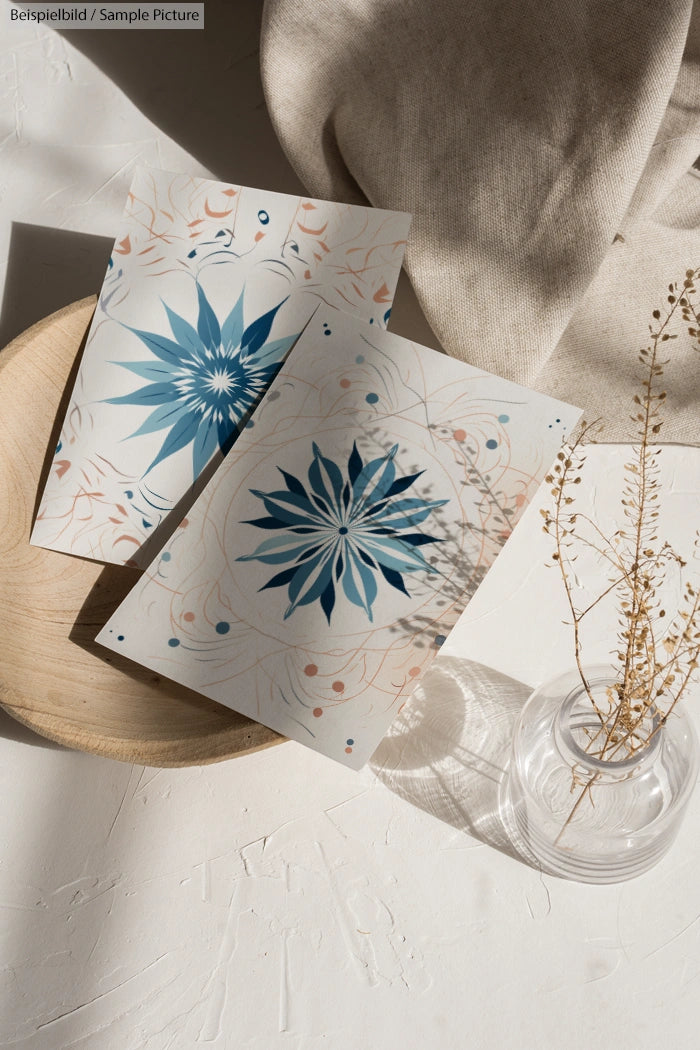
(655, 665)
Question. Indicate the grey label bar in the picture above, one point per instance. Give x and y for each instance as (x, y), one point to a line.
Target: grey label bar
(108, 15)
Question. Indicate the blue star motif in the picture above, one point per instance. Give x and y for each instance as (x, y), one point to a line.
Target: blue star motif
(204, 380)
(344, 529)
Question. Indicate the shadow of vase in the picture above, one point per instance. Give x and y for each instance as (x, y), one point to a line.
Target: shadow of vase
(448, 749)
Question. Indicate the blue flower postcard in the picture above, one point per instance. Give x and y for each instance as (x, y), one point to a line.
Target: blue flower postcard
(207, 289)
(327, 559)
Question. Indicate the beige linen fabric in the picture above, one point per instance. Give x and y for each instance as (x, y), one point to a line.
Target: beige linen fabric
(543, 148)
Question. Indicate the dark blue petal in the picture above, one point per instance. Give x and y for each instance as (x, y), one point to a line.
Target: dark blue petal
(366, 558)
(266, 523)
(394, 578)
(401, 484)
(354, 464)
(293, 484)
(281, 579)
(328, 600)
(257, 332)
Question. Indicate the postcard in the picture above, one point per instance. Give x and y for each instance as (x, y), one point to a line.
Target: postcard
(323, 566)
(207, 289)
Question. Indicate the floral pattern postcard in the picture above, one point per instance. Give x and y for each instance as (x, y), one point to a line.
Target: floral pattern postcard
(208, 287)
(327, 559)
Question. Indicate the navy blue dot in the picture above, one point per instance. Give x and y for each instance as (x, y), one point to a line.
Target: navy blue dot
(492, 443)
(173, 642)
(372, 399)
(350, 742)
(440, 639)
(343, 530)
(264, 217)
(129, 494)
(120, 637)
(222, 627)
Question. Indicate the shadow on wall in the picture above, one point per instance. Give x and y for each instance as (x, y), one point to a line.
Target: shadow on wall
(48, 269)
(448, 749)
(202, 88)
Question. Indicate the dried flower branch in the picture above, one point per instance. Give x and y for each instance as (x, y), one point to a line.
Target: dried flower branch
(657, 655)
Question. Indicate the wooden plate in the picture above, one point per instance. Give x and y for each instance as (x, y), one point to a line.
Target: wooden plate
(53, 677)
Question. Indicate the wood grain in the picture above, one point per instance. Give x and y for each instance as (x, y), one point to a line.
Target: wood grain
(53, 677)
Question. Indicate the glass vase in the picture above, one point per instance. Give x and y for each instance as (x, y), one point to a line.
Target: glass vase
(587, 818)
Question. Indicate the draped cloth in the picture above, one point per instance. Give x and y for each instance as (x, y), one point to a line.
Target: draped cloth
(544, 148)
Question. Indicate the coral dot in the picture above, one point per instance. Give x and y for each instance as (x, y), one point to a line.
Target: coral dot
(189, 616)
(338, 687)
(459, 435)
(311, 670)
(414, 671)
(345, 383)
(348, 750)
(184, 523)
(222, 627)
(318, 711)
(520, 499)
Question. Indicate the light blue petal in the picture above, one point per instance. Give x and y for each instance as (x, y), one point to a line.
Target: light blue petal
(162, 347)
(396, 556)
(232, 328)
(184, 333)
(153, 394)
(276, 351)
(326, 479)
(147, 369)
(206, 443)
(369, 470)
(310, 581)
(181, 434)
(164, 416)
(359, 584)
(207, 324)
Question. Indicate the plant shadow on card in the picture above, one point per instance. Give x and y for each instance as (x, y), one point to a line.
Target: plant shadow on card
(447, 750)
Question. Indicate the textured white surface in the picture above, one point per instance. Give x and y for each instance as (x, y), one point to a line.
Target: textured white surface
(279, 900)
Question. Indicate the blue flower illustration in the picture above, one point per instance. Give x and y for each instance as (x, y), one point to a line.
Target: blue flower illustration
(205, 379)
(343, 529)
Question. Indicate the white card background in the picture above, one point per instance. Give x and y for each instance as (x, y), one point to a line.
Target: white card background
(326, 561)
(207, 288)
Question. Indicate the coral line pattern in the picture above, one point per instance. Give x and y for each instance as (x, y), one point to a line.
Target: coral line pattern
(343, 530)
(205, 379)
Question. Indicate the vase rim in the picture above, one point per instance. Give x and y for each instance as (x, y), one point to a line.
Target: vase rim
(595, 676)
